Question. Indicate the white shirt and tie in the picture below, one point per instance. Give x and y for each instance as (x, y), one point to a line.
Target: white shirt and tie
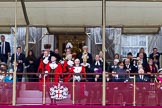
(141, 77)
(97, 63)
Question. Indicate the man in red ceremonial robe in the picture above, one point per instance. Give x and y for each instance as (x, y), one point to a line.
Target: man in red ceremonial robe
(67, 66)
(43, 67)
(79, 71)
(55, 70)
(79, 76)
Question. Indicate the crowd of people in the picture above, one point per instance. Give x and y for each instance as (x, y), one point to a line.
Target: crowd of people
(53, 67)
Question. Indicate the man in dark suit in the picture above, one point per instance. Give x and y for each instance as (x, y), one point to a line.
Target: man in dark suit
(4, 49)
(20, 58)
(141, 77)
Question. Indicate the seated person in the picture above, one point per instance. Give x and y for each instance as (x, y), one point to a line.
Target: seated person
(120, 75)
(141, 77)
(9, 77)
(114, 66)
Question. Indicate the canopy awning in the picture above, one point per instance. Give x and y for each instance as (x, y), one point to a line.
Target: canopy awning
(69, 14)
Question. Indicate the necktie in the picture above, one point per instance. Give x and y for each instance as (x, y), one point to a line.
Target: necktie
(141, 77)
(2, 48)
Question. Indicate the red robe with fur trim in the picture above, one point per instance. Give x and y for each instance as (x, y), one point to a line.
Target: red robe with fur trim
(67, 67)
(78, 70)
(55, 70)
(43, 66)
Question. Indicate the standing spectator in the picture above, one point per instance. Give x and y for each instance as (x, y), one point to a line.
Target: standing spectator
(67, 52)
(67, 65)
(155, 56)
(4, 49)
(117, 56)
(142, 50)
(142, 61)
(20, 58)
(97, 67)
(30, 63)
(101, 56)
(130, 57)
(43, 66)
(86, 60)
(57, 54)
(85, 57)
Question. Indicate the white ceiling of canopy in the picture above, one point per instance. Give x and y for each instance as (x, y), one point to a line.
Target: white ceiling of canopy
(7, 14)
(82, 13)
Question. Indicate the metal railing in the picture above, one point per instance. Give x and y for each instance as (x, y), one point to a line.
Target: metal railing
(83, 93)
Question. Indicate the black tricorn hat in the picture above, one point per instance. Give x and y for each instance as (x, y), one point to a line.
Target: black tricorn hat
(47, 46)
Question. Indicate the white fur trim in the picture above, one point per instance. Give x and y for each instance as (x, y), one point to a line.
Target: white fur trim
(53, 65)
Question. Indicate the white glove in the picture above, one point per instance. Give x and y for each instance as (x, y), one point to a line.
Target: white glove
(45, 61)
(62, 62)
(86, 65)
(95, 69)
(46, 73)
(40, 76)
(70, 63)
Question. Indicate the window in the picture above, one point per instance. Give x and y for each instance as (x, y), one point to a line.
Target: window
(132, 43)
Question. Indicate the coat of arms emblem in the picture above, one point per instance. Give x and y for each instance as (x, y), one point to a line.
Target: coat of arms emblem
(58, 92)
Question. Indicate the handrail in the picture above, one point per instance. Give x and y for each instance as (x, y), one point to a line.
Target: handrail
(36, 73)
